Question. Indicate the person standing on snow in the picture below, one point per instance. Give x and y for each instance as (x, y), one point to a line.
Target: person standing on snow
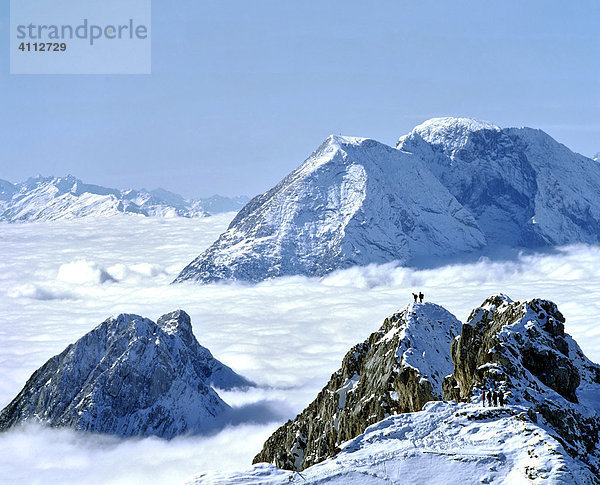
(421, 296)
(415, 296)
(495, 398)
(483, 398)
(501, 398)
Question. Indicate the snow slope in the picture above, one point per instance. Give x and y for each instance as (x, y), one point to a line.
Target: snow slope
(128, 376)
(443, 443)
(354, 201)
(51, 198)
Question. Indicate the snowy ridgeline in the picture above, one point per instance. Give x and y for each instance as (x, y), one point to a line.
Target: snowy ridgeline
(451, 188)
(380, 419)
(51, 198)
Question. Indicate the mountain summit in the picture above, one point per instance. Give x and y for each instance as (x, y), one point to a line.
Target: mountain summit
(453, 186)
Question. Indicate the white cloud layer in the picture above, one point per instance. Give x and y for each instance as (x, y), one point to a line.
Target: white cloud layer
(59, 280)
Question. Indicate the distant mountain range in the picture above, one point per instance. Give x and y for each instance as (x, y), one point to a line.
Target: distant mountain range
(51, 198)
(451, 187)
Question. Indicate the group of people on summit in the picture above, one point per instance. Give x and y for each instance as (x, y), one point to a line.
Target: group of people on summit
(418, 296)
(493, 398)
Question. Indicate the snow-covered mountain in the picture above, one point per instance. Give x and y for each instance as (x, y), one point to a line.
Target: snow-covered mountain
(354, 201)
(524, 188)
(452, 187)
(50, 198)
(547, 431)
(128, 376)
(596, 156)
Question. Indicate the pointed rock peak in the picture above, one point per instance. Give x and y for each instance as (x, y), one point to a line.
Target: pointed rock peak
(175, 322)
(128, 376)
(496, 301)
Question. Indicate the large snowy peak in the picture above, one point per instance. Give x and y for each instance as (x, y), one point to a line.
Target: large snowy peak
(128, 376)
(524, 188)
(354, 201)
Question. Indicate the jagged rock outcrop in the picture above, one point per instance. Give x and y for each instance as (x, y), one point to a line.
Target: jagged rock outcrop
(397, 369)
(128, 376)
(521, 348)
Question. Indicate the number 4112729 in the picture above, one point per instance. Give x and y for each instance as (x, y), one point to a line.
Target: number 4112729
(43, 47)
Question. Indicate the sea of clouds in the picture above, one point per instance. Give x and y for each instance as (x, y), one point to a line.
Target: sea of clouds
(59, 280)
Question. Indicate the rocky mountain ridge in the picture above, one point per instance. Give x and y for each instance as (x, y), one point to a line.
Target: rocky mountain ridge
(551, 388)
(452, 188)
(51, 198)
(129, 376)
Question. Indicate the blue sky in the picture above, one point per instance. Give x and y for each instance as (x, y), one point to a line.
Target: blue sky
(241, 92)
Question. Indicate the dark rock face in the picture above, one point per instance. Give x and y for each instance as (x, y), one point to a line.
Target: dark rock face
(521, 348)
(397, 369)
(128, 376)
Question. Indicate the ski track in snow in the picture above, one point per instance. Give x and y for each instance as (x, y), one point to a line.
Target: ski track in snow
(59, 280)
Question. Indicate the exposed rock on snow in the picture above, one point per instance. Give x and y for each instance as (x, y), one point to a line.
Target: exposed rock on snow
(523, 188)
(466, 186)
(354, 201)
(128, 376)
(396, 370)
(51, 198)
(521, 348)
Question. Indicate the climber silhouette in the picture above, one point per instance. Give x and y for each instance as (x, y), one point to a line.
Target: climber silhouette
(495, 398)
(501, 398)
(483, 397)
(421, 296)
(415, 296)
